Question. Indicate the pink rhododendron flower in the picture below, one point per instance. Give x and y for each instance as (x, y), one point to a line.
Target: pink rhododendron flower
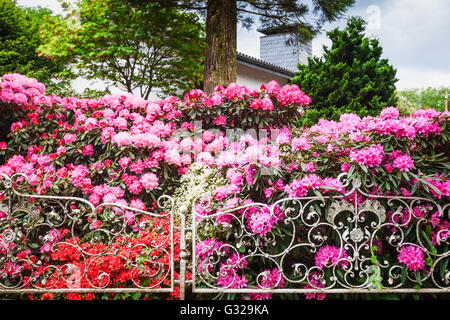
(284, 136)
(137, 166)
(412, 256)
(370, 157)
(389, 113)
(316, 283)
(261, 220)
(205, 158)
(220, 120)
(328, 256)
(208, 136)
(96, 224)
(209, 247)
(300, 143)
(149, 181)
(403, 163)
(124, 161)
(272, 87)
(87, 150)
(69, 138)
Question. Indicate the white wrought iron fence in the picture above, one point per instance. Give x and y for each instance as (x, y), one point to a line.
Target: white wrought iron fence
(64, 244)
(353, 243)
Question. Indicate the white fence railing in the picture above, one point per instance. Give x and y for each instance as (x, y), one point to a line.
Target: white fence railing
(353, 243)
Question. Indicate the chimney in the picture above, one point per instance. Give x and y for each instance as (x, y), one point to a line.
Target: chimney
(276, 48)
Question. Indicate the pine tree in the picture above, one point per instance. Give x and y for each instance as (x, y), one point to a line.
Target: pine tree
(222, 17)
(350, 77)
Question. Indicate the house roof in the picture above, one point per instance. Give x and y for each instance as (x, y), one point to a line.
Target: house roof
(264, 65)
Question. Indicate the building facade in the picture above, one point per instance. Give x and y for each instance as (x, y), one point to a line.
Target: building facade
(279, 57)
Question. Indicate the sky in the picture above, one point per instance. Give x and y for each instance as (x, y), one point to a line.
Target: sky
(414, 35)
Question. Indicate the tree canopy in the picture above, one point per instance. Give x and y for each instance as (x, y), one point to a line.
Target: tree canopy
(19, 39)
(350, 77)
(137, 49)
(429, 97)
(222, 16)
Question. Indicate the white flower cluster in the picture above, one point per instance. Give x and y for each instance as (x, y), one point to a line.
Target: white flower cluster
(200, 180)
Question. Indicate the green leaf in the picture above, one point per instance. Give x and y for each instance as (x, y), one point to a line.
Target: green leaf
(429, 243)
(318, 195)
(364, 168)
(443, 265)
(418, 278)
(414, 188)
(403, 276)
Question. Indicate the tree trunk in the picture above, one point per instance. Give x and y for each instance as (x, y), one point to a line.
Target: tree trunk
(221, 30)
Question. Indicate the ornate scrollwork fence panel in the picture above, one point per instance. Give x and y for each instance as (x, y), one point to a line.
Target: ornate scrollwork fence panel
(353, 243)
(64, 244)
(357, 242)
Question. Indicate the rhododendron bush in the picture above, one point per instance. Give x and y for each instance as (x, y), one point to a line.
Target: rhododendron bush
(121, 149)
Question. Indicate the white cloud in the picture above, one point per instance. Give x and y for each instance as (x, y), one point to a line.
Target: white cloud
(318, 43)
(248, 42)
(415, 33)
(411, 77)
(53, 5)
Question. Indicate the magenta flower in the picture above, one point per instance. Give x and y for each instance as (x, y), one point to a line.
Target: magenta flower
(314, 279)
(370, 157)
(69, 138)
(328, 256)
(389, 113)
(220, 120)
(96, 224)
(87, 150)
(412, 256)
(300, 143)
(149, 181)
(403, 163)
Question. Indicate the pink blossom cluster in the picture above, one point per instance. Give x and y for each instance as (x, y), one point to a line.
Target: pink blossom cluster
(53, 236)
(209, 247)
(420, 123)
(289, 94)
(268, 279)
(20, 90)
(228, 274)
(403, 163)
(264, 99)
(412, 256)
(370, 157)
(261, 220)
(328, 256)
(311, 181)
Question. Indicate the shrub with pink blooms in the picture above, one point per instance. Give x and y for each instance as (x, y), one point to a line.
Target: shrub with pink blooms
(121, 149)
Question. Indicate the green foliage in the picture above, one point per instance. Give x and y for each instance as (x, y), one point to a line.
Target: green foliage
(65, 91)
(135, 49)
(19, 39)
(429, 97)
(351, 77)
(301, 18)
(287, 14)
(404, 105)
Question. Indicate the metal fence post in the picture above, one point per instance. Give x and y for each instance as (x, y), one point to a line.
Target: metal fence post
(182, 211)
